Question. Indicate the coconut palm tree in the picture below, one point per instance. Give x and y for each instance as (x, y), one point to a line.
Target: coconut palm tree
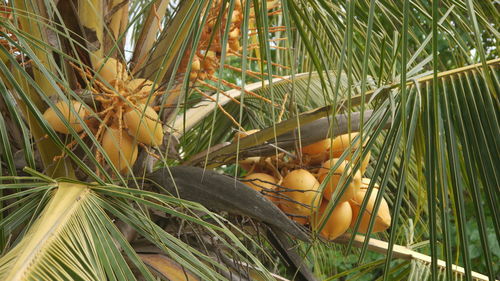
(118, 160)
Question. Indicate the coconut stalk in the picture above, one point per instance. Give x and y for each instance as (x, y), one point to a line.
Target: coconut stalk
(194, 115)
(314, 127)
(402, 252)
(30, 251)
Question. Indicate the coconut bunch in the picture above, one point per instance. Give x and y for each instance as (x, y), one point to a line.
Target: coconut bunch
(294, 186)
(122, 119)
(207, 55)
(205, 59)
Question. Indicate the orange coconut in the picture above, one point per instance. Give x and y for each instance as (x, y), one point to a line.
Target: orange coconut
(301, 188)
(334, 180)
(365, 182)
(327, 148)
(260, 182)
(383, 215)
(321, 146)
(338, 222)
(343, 142)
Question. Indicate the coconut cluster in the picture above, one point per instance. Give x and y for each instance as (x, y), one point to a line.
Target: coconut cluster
(295, 186)
(123, 119)
(206, 58)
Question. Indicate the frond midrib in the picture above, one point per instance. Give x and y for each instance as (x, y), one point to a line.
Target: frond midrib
(66, 201)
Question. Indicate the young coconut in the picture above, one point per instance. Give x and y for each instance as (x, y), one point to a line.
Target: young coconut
(365, 182)
(111, 69)
(318, 151)
(337, 223)
(334, 180)
(324, 149)
(143, 87)
(262, 183)
(342, 142)
(196, 64)
(142, 122)
(121, 150)
(300, 192)
(364, 163)
(57, 124)
(383, 216)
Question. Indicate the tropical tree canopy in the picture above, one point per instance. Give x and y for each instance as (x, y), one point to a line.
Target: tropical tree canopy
(249, 140)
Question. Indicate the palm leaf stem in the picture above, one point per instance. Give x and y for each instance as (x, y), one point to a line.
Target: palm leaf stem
(402, 252)
(54, 218)
(201, 110)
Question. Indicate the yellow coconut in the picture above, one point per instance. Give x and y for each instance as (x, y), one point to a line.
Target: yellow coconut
(57, 124)
(111, 69)
(338, 222)
(143, 87)
(334, 180)
(234, 45)
(300, 192)
(327, 148)
(121, 150)
(260, 182)
(342, 142)
(321, 146)
(383, 216)
(142, 122)
(196, 64)
(364, 163)
(365, 182)
(234, 34)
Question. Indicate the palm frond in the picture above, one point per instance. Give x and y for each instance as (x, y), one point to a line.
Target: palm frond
(419, 79)
(62, 235)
